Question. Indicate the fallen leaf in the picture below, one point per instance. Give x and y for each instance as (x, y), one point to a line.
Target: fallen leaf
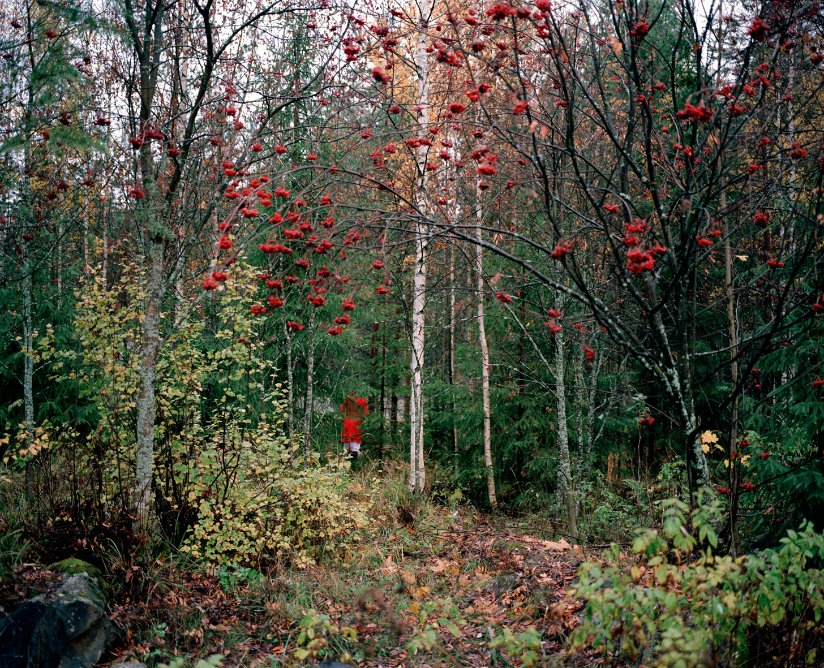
(559, 545)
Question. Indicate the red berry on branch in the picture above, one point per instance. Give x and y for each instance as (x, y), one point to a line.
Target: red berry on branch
(562, 248)
(758, 29)
(553, 327)
(500, 11)
(502, 297)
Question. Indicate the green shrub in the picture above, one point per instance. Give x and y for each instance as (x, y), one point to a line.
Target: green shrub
(261, 507)
(607, 515)
(320, 638)
(678, 604)
(523, 648)
(430, 617)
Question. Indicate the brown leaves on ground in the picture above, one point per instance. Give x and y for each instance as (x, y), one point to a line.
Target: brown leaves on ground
(463, 578)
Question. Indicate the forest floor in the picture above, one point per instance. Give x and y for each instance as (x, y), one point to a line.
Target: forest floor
(433, 591)
(426, 585)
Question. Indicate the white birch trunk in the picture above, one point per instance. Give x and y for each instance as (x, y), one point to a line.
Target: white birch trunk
(59, 265)
(487, 407)
(86, 214)
(417, 470)
(104, 261)
(452, 350)
(290, 393)
(457, 213)
(310, 372)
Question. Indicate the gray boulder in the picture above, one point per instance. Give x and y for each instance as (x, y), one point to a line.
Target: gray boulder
(67, 628)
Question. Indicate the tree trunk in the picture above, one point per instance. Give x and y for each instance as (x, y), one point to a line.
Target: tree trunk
(153, 265)
(589, 423)
(566, 493)
(455, 453)
(59, 265)
(148, 377)
(487, 407)
(104, 259)
(732, 328)
(290, 394)
(28, 350)
(676, 377)
(382, 404)
(698, 473)
(417, 471)
(310, 373)
(27, 288)
(86, 214)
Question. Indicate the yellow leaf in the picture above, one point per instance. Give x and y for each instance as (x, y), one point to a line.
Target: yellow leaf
(615, 44)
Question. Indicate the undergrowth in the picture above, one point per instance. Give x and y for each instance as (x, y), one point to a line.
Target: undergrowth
(429, 583)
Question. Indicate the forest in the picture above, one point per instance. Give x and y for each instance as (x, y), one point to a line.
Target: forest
(411, 333)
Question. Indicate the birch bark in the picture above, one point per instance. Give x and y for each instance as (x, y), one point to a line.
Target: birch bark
(417, 470)
(310, 373)
(290, 390)
(452, 352)
(487, 407)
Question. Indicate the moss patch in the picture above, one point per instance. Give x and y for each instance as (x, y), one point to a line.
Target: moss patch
(73, 565)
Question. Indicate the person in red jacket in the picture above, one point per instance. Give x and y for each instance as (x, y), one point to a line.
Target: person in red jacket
(354, 409)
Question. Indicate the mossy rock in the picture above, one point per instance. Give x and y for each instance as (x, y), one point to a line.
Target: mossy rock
(72, 565)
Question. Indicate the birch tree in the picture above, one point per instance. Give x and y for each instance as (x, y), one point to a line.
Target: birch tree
(417, 470)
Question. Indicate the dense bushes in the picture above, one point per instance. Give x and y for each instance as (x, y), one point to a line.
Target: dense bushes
(260, 508)
(678, 604)
(231, 485)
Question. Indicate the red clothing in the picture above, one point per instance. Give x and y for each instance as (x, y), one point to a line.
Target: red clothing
(354, 410)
